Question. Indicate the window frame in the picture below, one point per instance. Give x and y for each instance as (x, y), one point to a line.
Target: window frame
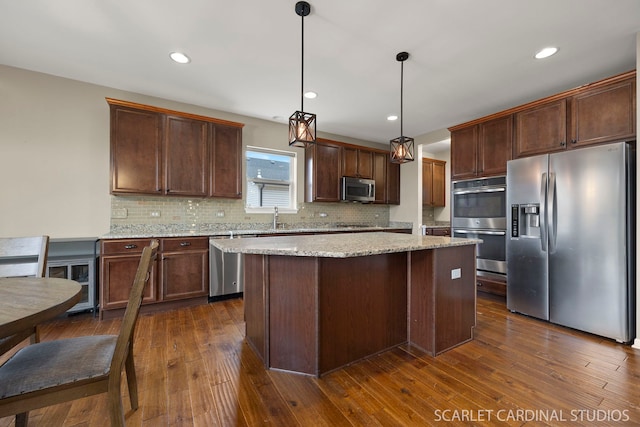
(293, 182)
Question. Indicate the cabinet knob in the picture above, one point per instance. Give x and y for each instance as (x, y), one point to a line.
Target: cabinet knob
(131, 246)
(563, 144)
(573, 141)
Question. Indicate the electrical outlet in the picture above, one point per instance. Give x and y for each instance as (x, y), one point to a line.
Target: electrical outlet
(119, 213)
(155, 214)
(456, 273)
(220, 214)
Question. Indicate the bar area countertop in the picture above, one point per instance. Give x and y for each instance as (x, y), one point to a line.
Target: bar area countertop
(315, 303)
(339, 245)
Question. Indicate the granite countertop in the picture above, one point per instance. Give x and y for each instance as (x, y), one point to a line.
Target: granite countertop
(169, 231)
(339, 245)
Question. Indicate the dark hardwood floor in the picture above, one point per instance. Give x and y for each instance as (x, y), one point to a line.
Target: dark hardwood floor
(194, 369)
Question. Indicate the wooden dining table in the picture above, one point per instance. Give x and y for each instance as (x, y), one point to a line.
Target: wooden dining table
(28, 301)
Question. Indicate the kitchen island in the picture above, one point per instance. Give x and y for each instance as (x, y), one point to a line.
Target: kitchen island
(316, 303)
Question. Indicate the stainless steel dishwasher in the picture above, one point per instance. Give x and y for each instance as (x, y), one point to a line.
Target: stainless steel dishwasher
(225, 271)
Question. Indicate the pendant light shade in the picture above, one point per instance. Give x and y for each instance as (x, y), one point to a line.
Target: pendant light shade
(302, 126)
(401, 148)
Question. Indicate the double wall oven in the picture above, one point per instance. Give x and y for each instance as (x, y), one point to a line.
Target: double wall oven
(478, 210)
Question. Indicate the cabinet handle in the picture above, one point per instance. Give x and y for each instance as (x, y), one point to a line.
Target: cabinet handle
(573, 141)
(185, 243)
(563, 144)
(131, 246)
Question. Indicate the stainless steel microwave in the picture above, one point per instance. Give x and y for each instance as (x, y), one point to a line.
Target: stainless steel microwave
(357, 189)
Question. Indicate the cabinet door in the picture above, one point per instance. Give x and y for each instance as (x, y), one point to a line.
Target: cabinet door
(184, 274)
(464, 153)
(380, 176)
(542, 129)
(322, 172)
(393, 182)
(438, 184)
(427, 182)
(604, 114)
(186, 166)
(136, 151)
(116, 277)
(357, 163)
(495, 146)
(226, 161)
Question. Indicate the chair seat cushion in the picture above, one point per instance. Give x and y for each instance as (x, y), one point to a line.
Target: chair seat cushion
(51, 363)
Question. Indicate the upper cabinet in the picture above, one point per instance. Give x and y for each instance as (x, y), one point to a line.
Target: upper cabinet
(323, 172)
(328, 161)
(481, 149)
(433, 177)
(357, 163)
(163, 152)
(600, 112)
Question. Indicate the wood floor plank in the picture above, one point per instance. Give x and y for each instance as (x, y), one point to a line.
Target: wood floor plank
(194, 368)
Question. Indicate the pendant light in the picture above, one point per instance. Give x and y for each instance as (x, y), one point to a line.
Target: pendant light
(302, 126)
(401, 148)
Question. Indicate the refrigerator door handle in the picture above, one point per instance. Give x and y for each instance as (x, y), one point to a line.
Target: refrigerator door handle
(552, 229)
(543, 209)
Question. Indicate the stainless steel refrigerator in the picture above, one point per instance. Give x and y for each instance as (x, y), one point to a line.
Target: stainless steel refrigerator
(571, 244)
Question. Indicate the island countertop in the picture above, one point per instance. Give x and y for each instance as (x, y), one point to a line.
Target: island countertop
(342, 245)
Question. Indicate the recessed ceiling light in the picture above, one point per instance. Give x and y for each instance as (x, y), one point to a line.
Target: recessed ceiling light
(310, 95)
(392, 117)
(180, 58)
(546, 52)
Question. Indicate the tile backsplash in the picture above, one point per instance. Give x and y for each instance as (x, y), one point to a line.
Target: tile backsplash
(210, 214)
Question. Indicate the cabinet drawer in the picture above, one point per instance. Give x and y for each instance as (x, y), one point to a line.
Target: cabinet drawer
(184, 244)
(123, 246)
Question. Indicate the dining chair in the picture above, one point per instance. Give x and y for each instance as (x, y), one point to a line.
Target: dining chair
(22, 256)
(53, 372)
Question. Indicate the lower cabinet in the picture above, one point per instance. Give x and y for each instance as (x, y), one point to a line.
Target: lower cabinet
(180, 273)
(489, 286)
(437, 231)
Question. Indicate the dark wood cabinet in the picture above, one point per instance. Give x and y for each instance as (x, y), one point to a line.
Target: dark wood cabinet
(226, 161)
(604, 113)
(323, 172)
(464, 152)
(184, 268)
(393, 182)
(186, 165)
(328, 161)
(119, 261)
(136, 151)
(180, 275)
(601, 112)
(489, 286)
(164, 152)
(481, 149)
(433, 177)
(357, 163)
(380, 161)
(541, 129)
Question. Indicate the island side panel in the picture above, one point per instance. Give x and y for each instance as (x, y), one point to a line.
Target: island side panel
(421, 331)
(293, 318)
(363, 307)
(255, 308)
(455, 298)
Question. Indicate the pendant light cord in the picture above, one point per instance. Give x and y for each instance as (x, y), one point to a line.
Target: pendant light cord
(401, 97)
(302, 70)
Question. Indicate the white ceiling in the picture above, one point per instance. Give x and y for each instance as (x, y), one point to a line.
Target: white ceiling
(469, 58)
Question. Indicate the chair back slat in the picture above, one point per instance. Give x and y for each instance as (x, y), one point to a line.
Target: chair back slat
(23, 256)
(125, 338)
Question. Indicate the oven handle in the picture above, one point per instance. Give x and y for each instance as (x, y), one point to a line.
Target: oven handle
(487, 233)
(480, 190)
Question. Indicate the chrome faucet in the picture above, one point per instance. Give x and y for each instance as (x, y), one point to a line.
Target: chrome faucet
(275, 217)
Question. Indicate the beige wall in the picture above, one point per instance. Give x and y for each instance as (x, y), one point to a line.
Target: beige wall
(54, 160)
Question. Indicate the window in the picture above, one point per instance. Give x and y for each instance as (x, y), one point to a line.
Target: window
(271, 179)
